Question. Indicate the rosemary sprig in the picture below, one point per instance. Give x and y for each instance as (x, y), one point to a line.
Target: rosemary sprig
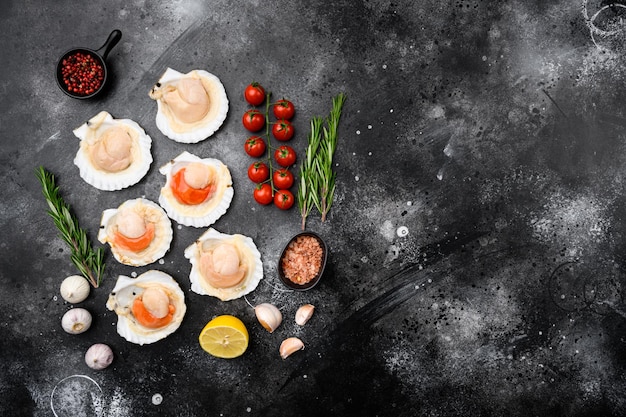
(307, 191)
(317, 177)
(325, 157)
(89, 262)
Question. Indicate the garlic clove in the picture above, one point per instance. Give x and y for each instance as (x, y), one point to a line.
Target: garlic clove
(75, 289)
(76, 320)
(304, 313)
(99, 356)
(269, 316)
(289, 346)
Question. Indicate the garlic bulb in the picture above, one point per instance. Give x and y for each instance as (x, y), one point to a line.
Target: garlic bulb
(75, 289)
(289, 346)
(304, 313)
(99, 356)
(269, 316)
(76, 320)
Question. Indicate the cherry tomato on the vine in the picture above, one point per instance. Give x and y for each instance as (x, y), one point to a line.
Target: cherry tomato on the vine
(284, 109)
(285, 156)
(258, 172)
(253, 120)
(254, 94)
(254, 146)
(283, 179)
(283, 199)
(282, 130)
(263, 194)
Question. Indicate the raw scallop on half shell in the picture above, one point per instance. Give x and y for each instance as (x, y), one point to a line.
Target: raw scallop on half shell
(149, 307)
(190, 107)
(207, 177)
(113, 153)
(224, 266)
(138, 231)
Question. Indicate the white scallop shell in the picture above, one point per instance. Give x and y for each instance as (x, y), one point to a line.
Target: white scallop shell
(196, 132)
(89, 133)
(124, 293)
(206, 213)
(163, 233)
(246, 247)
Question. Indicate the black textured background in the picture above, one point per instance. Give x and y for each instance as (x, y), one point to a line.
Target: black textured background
(494, 131)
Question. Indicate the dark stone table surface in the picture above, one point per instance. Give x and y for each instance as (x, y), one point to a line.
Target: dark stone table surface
(477, 235)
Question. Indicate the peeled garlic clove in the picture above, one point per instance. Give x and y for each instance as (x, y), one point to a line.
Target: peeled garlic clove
(304, 313)
(99, 356)
(75, 289)
(289, 346)
(76, 320)
(269, 316)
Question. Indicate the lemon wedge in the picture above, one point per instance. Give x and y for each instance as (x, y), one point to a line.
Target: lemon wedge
(224, 337)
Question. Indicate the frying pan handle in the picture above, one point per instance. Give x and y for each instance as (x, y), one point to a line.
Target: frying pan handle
(112, 40)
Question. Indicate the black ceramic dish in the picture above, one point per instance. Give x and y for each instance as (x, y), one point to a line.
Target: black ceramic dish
(292, 285)
(99, 55)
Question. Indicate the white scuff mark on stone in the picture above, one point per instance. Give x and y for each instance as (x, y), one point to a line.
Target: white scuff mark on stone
(402, 231)
(393, 252)
(55, 135)
(119, 406)
(71, 395)
(387, 230)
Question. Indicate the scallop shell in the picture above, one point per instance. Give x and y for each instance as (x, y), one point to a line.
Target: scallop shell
(206, 213)
(124, 293)
(246, 248)
(90, 132)
(152, 212)
(191, 132)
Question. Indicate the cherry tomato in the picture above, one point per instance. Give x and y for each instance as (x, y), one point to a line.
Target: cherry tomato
(254, 94)
(285, 156)
(282, 130)
(258, 172)
(253, 120)
(255, 146)
(283, 179)
(283, 199)
(284, 109)
(263, 194)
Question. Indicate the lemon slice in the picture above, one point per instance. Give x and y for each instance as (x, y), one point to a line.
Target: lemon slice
(224, 337)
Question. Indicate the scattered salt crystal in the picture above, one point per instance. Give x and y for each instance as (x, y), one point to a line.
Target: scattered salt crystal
(369, 127)
(358, 132)
(356, 178)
